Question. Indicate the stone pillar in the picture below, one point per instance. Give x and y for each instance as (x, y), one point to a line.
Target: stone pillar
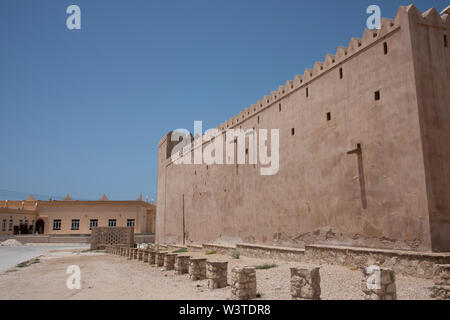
(305, 283)
(130, 253)
(159, 258)
(169, 261)
(182, 264)
(145, 256)
(243, 283)
(441, 279)
(216, 273)
(152, 257)
(378, 283)
(197, 269)
(140, 252)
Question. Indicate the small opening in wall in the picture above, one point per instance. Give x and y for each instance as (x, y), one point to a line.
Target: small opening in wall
(385, 48)
(293, 131)
(375, 34)
(207, 167)
(258, 119)
(246, 151)
(445, 41)
(328, 116)
(358, 145)
(377, 95)
(307, 92)
(279, 107)
(341, 73)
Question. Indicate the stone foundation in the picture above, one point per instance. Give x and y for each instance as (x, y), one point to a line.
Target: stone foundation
(243, 283)
(159, 258)
(216, 273)
(305, 283)
(169, 261)
(270, 252)
(417, 264)
(441, 279)
(197, 269)
(378, 283)
(182, 264)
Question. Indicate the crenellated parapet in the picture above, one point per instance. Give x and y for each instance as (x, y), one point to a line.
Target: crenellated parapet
(405, 15)
(356, 45)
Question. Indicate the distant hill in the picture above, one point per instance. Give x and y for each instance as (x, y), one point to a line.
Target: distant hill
(16, 195)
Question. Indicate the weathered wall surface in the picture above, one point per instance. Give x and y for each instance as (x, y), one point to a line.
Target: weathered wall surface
(431, 47)
(378, 198)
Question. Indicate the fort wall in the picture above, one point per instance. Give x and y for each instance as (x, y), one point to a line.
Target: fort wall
(387, 92)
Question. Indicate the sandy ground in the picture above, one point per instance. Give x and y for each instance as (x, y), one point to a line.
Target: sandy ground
(106, 276)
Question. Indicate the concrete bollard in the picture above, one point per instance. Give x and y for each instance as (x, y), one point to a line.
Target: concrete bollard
(305, 283)
(159, 258)
(378, 283)
(243, 283)
(216, 273)
(182, 264)
(169, 261)
(197, 269)
(441, 279)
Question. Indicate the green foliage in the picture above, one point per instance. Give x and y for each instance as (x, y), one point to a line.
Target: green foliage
(181, 250)
(266, 266)
(235, 254)
(210, 253)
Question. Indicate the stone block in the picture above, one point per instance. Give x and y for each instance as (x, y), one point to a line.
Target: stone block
(197, 269)
(243, 283)
(216, 273)
(305, 283)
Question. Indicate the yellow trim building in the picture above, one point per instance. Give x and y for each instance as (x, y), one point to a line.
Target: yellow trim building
(72, 217)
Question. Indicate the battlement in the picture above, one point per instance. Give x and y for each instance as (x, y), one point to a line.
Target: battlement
(369, 38)
(388, 26)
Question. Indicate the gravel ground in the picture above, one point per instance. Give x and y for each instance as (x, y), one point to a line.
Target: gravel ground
(106, 276)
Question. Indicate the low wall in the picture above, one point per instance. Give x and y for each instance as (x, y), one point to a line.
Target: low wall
(270, 252)
(144, 238)
(218, 248)
(418, 264)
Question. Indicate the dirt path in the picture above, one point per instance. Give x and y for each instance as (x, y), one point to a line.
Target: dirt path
(113, 277)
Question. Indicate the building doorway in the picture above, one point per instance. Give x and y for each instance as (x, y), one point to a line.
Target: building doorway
(40, 226)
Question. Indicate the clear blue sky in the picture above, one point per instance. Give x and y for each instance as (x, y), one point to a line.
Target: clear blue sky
(82, 111)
